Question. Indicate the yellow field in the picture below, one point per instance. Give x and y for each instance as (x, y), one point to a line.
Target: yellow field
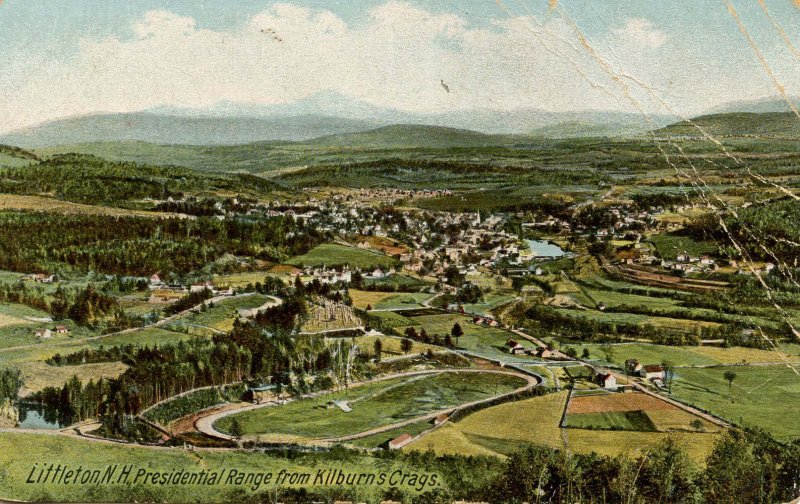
(38, 375)
(8, 320)
(536, 421)
(391, 345)
(679, 324)
(679, 420)
(236, 280)
(52, 205)
(613, 443)
(363, 298)
(735, 355)
(531, 420)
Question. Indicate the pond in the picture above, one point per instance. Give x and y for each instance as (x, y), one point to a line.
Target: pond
(543, 248)
(35, 416)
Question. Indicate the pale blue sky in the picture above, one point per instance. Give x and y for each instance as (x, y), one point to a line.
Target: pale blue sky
(84, 56)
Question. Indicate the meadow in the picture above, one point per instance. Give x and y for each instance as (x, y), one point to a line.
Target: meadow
(373, 405)
(761, 396)
(217, 318)
(387, 300)
(331, 254)
(669, 246)
(52, 205)
(490, 302)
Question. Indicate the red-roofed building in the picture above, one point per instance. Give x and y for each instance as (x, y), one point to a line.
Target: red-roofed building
(400, 441)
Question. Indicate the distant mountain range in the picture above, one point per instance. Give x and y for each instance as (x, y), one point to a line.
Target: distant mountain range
(331, 118)
(321, 115)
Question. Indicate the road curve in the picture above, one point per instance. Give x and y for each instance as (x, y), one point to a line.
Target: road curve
(206, 424)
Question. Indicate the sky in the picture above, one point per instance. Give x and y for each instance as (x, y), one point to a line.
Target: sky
(683, 57)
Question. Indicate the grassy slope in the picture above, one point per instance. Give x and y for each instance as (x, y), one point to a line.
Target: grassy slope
(775, 124)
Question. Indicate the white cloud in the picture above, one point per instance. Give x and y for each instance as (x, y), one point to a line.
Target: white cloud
(159, 22)
(641, 32)
(396, 58)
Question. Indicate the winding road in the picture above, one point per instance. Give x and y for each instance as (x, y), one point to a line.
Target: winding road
(206, 424)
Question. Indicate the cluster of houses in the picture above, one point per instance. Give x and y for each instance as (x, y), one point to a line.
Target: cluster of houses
(47, 333)
(691, 264)
(44, 278)
(516, 348)
(651, 372)
(162, 292)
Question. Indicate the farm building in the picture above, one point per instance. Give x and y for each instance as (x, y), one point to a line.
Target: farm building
(543, 352)
(44, 333)
(606, 379)
(62, 329)
(633, 367)
(400, 441)
(514, 347)
(44, 278)
(652, 372)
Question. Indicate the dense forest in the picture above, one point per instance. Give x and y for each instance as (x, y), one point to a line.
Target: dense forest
(92, 180)
(263, 351)
(142, 246)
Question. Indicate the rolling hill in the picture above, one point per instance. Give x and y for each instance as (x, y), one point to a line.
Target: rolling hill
(400, 136)
(13, 157)
(171, 129)
(782, 125)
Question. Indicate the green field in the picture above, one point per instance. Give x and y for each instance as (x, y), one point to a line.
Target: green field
(330, 254)
(674, 324)
(396, 282)
(389, 319)
(485, 341)
(373, 405)
(762, 396)
(21, 451)
(623, 420)
(141, 337)
(403, 300)
(669, 246)
(220, 317)
(690, 355)
(490, 302)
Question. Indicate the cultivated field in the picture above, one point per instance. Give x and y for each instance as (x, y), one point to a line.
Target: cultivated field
(631, 411)
(503, 429)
